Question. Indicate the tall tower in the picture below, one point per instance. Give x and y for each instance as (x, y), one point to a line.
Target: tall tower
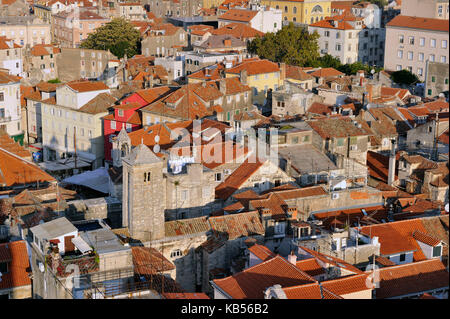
(144, 194)
(391, 172)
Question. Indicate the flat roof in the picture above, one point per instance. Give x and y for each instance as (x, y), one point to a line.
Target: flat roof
(55, 228)
(307, 159)
(103, 240)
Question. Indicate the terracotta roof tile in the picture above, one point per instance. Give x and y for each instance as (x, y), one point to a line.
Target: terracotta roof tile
(252, 282)
(149, 261)
(236, 179)
(336, 127)
(186, 227)
(261, 252)
(237, 225)
(411, 278)
(238, 30)
(326, 72)
(419, 23)
(310, 266)
(347, 285)
(397, 237)
(426, 239)
(16, 254)
(238, 15)
(309, 291)
(87, 86)
(255, 67)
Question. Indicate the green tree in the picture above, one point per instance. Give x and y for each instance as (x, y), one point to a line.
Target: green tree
(292, 45)
(404, 77)
(379, 3)
(118, 36)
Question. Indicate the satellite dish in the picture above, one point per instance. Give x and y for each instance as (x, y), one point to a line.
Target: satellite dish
(157, 138)
(446, 207)
(156, 148)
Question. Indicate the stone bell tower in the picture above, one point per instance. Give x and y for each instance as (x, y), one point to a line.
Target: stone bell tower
(121, 147)
(144, 194)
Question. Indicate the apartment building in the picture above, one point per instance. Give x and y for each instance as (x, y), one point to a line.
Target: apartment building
(434, 9)
(132, 11)
(25, 30)
(174, 8)
(347, 38)
(260, 75)
(221, 43)
(436, 78)
(70, 28)
(302, 12)
(164, 40)
(11, 56)
(40, 62)
(263, 19)
(72, 121)
(74, 63)
(371, 13)
(413, 41)
(10, 107)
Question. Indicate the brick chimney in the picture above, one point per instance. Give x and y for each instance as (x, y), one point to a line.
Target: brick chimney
(369, 93)
(227, 42)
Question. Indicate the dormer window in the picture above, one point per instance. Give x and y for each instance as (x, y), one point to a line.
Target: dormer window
(437, 251)
(120, 112)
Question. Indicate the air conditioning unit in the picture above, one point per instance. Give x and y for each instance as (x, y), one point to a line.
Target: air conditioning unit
(334, 196)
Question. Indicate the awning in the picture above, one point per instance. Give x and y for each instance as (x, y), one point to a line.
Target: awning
(81, 244)
(64, 164)
(97, 180)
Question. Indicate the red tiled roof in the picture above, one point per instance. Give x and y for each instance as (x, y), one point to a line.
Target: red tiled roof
(237, 225)
(426, 239)
(310, 266)
(238, 30)
(326, 72)
(17, 171)
(309, 291)
(87, 86)
(347, 285)
(378, 166)
(252, 282)
(336, 127)
(255, 67)
(149, 261)
(261, 252)
(411, 278)
(327, 259)
(397, 237)
(236, 179)
(239, 15)
(419, 23)
(319, 108)
(16, 254)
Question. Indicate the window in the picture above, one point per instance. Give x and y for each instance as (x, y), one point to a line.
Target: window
(147, 176)
(113, 125)
(410, 55)
(3, 267)
(421, 56)
(433, 79)
(184, 194)
(429, 91)
(437, 251)
(411, 40)
(340, 141)
(295, 140)
(400, 54)
(432, 57)
(400, 38)
(402, 257)
(218, 177)
(2, 96)
(338, 35)
(444, 44)
(286, 9)
(176, 253)
(443, 59)
(420, 71)
(120, 112)
(422, 42)
(433, 43)
(338, 47)
(327, 33)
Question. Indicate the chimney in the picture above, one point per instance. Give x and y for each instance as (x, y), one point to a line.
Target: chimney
(282, 71)
(292, 258)
(227, 42)
(243, 77)
(369, 93)
(223, 86)
(391, 174)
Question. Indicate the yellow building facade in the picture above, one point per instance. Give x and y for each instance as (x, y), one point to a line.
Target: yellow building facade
(261, 83)
(301, 11)
(212, 3)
